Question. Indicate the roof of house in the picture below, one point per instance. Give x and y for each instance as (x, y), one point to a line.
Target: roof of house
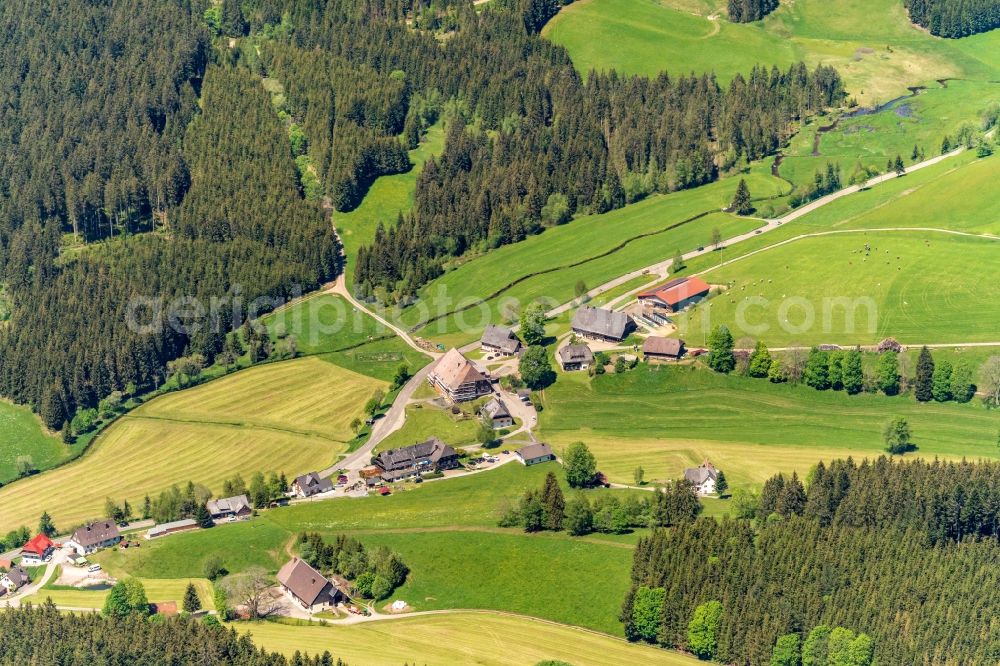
(17, 576)
(677, 290)
(237, 504)
(163, 528)
(701, 474)
(454, 370)
(5, 563)
(433, 450)
(95, 533)
(303, 581)
(500, 337)
(576, 354)
(38, 545)
(312, 484)
(664, 346)
(607, 323)
(532, 451)
(496, 409)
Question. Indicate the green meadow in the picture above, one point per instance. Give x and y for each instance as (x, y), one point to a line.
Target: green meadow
(871, 42)
(592, 249)
(328, 326)
(831, 289)
(22, 434)
(424, 421)
(667, 418)
(447, 534)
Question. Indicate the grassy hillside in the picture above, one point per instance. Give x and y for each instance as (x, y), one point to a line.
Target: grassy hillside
(830, 289)
(447, 534)
(669, 418)
(871, 42)
(592, 248)
(290, 417)
(460, 638)
(21, 434)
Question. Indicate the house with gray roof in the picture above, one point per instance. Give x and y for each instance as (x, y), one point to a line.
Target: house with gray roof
(702, 478)
(499, 416)
(308, 587)
(430, 456)
(575, 357)
(92, 537)
(14, 579)
(601, 324)
(532, 454)
(224, 508)
(311, 484)
(499, 340)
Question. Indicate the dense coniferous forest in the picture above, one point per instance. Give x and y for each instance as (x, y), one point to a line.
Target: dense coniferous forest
(947, 500)
(747, 11)
(43, 635)
(133, 130)
(893, 550)
(242, 230)
(955, 18)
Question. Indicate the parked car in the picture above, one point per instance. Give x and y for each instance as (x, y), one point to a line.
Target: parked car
(94, 568)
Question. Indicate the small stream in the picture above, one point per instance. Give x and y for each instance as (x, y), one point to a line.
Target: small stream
(856, 113)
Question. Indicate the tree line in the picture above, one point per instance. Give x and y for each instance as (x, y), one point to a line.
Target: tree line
(44, 635)
(947, 501)
(730, 590)
(548, 509)
(844, 370)
(955, 18)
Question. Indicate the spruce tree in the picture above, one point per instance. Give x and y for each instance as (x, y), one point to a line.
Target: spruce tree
(924, 381)
(852, 374)
(721, 484)
(192, 604)
(887, 373)
(553, 503)
(742, 204)
(941, 381)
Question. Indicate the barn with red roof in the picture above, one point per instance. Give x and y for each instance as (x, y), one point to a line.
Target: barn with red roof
(673, 296)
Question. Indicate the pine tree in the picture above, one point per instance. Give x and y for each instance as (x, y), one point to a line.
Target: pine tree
(742, 203)
(887, 373)
(924, 383)
(192, 604)
(553, 503)
(852, 374)
(202, 516)
(45, 525)
(941, 381)
(721, 484)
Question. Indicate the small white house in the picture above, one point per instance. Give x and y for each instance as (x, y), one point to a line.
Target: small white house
(14, 579)
(703, 478)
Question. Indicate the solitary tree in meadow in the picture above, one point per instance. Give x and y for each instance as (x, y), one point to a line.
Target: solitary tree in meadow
(897, 436)
(742, 205)
(720, 350)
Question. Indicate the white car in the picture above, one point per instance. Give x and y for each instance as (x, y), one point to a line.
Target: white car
(94, 568)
